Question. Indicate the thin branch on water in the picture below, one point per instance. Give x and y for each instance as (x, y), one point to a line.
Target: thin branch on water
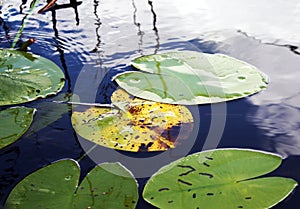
(25, 45)
(85, 104)
(87, 152)
(47, 7)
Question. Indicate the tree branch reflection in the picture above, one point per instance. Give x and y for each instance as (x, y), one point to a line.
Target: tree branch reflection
(154, 26)
(98, 24)
(22, 5)
(74, 4)
(138, 25)
(5, 28)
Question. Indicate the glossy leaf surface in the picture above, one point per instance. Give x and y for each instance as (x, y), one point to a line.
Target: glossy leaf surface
(25, 77)
(14, 122)
(191, 78)
(56, 186)
(133, 125)
(219, 179)
(109, 185)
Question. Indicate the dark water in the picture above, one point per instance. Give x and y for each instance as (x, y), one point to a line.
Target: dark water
(93, 41)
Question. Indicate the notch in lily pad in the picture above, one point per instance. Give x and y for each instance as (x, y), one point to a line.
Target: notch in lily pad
(134, 124)
(222, 178)
(25, 77)
(190, 78)
(108, 185)
(14, 122)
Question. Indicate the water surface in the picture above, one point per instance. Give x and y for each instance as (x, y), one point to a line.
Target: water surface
(94, 40)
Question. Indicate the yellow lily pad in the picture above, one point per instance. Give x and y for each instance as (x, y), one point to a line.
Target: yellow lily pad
(134, 124)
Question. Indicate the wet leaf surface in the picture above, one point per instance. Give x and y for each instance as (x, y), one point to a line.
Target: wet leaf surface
(110, 185)
(134, 125)
(191, 78)
(55, 186)
(14, 122)
(25, 77)
(218, 179)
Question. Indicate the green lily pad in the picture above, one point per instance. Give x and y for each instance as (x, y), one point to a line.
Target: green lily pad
(110, 185)
(225, 178)
(191, 78)
(55, 186)
(134, 124)
(25, 77)
(14, 122)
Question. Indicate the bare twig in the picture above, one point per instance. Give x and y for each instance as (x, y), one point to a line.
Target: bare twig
(85, 104)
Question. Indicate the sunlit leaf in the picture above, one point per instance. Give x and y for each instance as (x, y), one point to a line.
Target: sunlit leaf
(225, 178)
(134, 125)
(191, 78)
(109, 185)
(14, 122)
(50, 187)
(25, 77)
(154, 114)
(55, 186)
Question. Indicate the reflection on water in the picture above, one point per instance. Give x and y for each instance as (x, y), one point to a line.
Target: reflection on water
(140, 33)
(98, 25)
(60, 49)
(87, 39)
(8, 173)
(277, 21)
(280, 124)
(5, 29)
(277, 111)
(150, 2)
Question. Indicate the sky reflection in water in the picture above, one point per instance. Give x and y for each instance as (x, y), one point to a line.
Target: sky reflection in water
(110, 33)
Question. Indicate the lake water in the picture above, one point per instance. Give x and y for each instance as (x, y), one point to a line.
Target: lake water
(94, 40)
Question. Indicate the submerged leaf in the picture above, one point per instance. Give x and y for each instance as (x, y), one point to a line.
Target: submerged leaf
(25, 77)
(136, 125)
(218, 179)
(14, 122)
(191, 78)
(55, 186)
(48, 113)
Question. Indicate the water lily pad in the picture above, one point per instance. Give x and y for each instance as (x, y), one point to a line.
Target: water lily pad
(225, 178)
(110, 185)
(191, 78)
(55, 186)
(134, 124)
(14, 122)
(25, 77)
